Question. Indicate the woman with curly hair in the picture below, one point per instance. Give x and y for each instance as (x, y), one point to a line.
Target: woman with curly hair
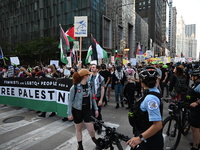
(80, 105)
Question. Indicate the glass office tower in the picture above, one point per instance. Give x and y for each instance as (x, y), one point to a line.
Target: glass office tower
(23, 20)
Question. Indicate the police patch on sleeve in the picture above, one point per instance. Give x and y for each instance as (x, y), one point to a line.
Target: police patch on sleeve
(152, 105)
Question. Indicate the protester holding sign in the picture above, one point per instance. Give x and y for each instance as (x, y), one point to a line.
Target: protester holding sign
(80, 105)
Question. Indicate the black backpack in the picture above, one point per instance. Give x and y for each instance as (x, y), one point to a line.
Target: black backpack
(181, 84)
(190, 95)
(138, 119)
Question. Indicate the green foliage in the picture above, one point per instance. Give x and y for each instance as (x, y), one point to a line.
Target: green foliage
(37, 51)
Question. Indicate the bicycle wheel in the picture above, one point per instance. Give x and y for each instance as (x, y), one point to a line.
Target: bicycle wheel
(171, 133)
(185, 125)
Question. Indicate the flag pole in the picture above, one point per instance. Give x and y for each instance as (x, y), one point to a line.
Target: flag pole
(3, 56)
(80, 49)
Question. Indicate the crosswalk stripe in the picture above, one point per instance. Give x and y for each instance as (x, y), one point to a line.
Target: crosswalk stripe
(71, 144)
(12, 126)
(29, 139)
(13, 112)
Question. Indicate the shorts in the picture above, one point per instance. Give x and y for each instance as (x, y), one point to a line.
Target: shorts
(109, 85)
(80, 115)
(195, 118)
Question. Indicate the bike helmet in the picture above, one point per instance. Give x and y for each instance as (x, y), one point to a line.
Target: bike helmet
(148, 73)
(195, 72)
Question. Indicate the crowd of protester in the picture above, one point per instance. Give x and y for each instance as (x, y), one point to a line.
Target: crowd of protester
(123, 80)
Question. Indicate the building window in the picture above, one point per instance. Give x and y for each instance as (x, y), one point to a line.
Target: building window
(140, 9)
(149, 1)
(143, 7)
(144, 3)
(149, 6)
(107, 38)
(120, 35)
(140, 3)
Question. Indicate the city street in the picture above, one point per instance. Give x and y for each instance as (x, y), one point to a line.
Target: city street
(51, 133)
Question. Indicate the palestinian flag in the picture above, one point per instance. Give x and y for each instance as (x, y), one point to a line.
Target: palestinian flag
(64, 46)
(89, 55)
(98, 51)
(70, 34)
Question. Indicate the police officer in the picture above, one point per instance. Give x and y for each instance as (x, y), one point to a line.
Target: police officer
(149, 128)
(195, 109)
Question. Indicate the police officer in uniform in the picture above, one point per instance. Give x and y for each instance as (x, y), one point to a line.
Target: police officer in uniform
(195, 109)
(148, 129)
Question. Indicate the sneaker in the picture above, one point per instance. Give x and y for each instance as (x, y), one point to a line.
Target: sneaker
(122, 104)
(117, 106)
(64, 119)
(38, 112)
(52, 114)
(80, 147)
(191, 144)
(43, 115)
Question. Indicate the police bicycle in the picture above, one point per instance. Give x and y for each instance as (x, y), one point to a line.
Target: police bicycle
(110, 138)
(176, 123)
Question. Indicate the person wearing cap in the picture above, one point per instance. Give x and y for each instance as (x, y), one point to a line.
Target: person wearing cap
(195, 109)
(18, 73)
(80, 105)
(147, 118)
(164, 79)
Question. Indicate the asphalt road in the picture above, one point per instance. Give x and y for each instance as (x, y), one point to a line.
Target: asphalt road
(33, 133)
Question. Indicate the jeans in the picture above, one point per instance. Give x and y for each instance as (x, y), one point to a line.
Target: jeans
(119, 92)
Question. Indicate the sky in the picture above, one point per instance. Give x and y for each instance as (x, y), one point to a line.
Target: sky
(190, 10)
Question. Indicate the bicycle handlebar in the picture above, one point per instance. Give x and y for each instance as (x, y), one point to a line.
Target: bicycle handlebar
(112, 130)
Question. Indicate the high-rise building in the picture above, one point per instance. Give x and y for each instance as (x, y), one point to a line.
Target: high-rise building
(151, 12)
(190, 30)
(172, 29)
(185, 39)
(121, 15)
(23, 20)
(191, 42)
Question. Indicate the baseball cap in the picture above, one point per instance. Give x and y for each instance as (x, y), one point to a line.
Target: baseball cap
(153, 63)
(165, 66)
(84, 72)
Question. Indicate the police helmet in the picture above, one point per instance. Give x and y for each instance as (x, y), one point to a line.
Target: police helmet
(148, 73)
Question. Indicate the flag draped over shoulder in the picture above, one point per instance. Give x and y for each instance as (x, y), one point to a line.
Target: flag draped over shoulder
(70, 34)
(97, 51)
(64, 46)
(89, 55)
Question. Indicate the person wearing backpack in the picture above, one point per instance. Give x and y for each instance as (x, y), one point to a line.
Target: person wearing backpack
(146, 117)
(195, 109)
(178, 83)
(80, 105)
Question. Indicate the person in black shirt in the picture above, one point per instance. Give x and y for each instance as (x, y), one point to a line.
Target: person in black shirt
(164, 80)
(106, 74)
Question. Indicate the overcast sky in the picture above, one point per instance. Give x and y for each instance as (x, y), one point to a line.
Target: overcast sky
(190, 10)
